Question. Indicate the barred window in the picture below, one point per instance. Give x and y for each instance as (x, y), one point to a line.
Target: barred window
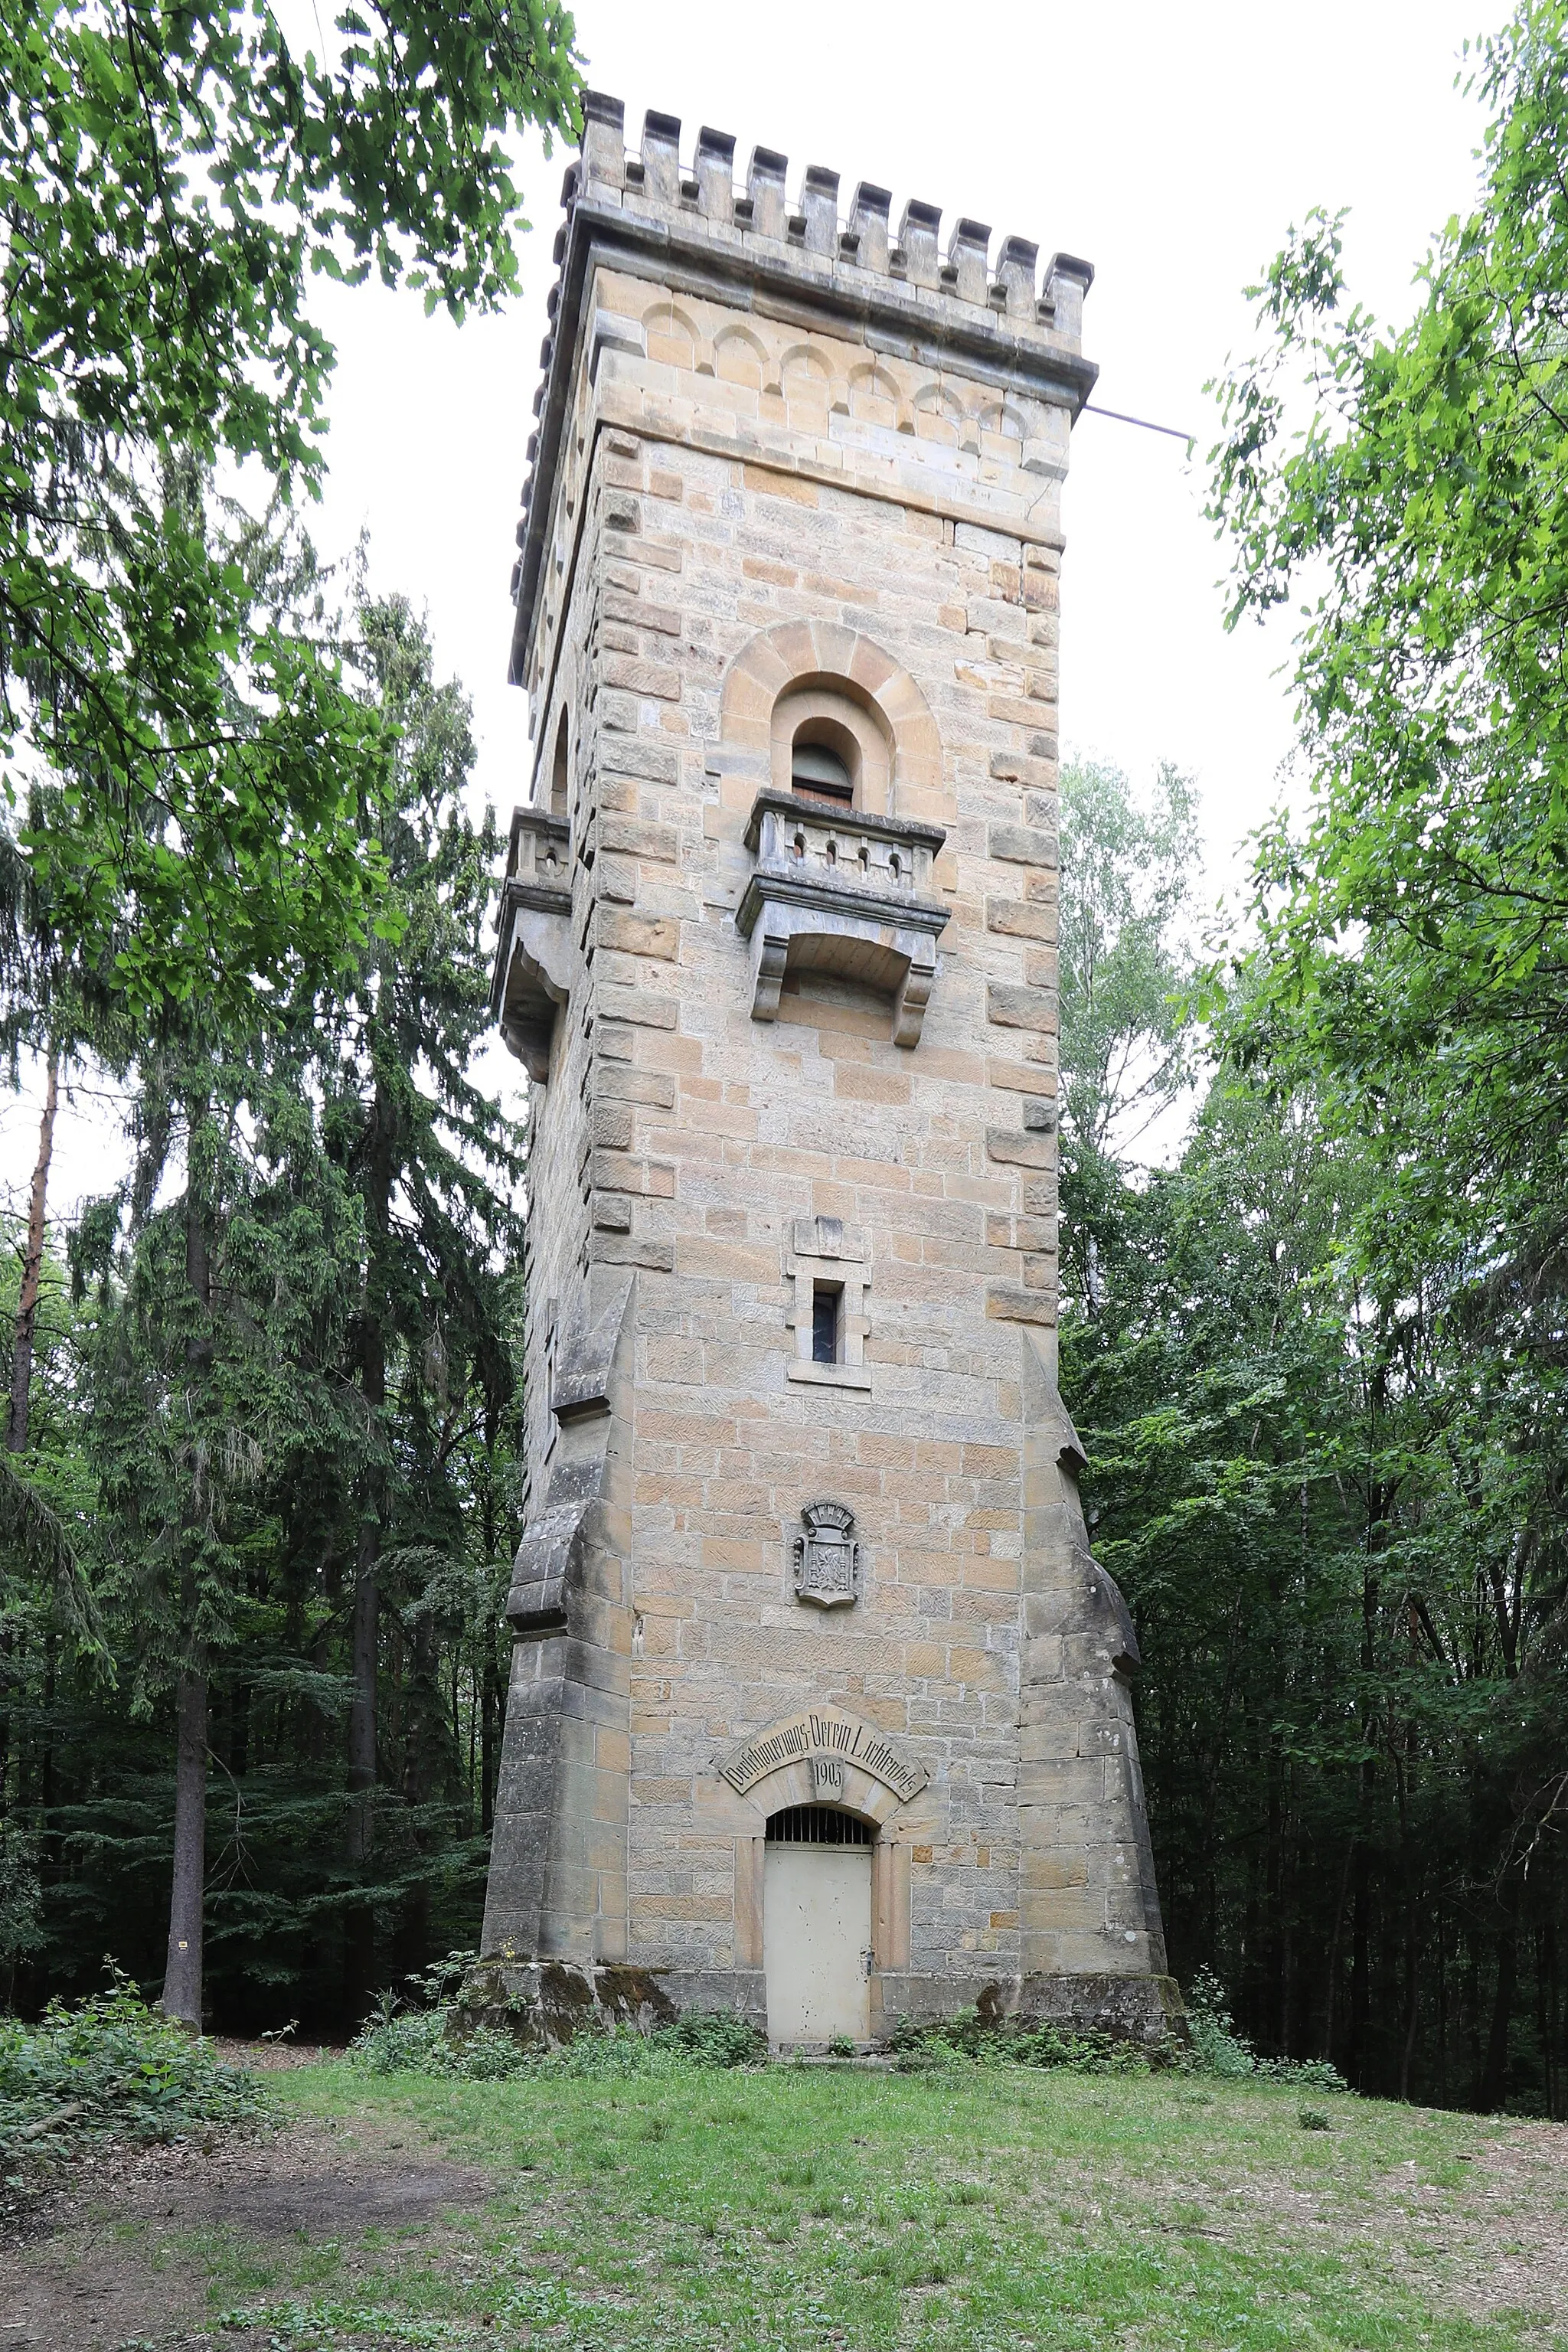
(816, 1825)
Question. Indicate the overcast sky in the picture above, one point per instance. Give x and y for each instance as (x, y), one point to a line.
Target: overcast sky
(1171, 148)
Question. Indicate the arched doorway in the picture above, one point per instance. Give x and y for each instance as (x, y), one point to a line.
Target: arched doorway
(817, 1923)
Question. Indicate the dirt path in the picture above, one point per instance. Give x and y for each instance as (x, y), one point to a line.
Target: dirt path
(121, 2254)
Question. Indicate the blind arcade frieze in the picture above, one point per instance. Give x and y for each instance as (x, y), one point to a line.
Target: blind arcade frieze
(824, 1733)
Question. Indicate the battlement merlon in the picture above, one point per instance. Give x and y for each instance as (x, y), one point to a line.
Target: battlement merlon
(696, 231)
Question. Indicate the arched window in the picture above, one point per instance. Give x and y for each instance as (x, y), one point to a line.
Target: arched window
(818, 773)
(829, 746)
(559, 770)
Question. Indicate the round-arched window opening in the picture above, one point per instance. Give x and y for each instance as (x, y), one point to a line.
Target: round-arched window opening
(559, 771)
(817, 773)
(817, 1825)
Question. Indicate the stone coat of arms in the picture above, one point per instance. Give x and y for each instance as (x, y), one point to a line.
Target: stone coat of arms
(827, 1557)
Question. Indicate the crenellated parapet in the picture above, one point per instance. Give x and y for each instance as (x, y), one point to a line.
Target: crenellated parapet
(654, 183)
(691, 225)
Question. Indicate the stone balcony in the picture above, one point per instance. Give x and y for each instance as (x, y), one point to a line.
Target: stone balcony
(837, 891)
(533, 957)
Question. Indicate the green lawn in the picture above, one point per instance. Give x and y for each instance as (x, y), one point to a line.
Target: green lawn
(989, 2209)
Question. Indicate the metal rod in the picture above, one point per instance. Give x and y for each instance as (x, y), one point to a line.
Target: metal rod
(1144, 421)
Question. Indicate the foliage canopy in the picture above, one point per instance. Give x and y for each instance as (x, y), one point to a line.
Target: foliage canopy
(193, 760)
(1412, 929)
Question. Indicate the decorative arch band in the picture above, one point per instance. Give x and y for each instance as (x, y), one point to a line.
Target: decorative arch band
(793, 654)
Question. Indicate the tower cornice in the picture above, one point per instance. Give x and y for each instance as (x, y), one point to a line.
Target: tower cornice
(694, 234)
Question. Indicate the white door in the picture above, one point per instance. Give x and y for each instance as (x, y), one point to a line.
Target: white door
(816, 1928)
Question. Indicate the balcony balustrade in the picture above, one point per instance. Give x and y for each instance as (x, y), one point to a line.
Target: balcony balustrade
(837, 891)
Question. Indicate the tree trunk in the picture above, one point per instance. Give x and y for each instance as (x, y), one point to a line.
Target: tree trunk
(1442, 2009)
(487, 1679)
(363, 1651)
(1360, 1969)
(48, 1779)
(423, 1737)
(1549, 2016)
(359, 1922)
(32, 1265)
(364, 1743)
(183, 1976)
(1411, 1994)
(1494, 2077)
(491, 1702)
(363, 1648)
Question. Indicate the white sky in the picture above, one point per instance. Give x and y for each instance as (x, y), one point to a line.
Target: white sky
(1170, 147)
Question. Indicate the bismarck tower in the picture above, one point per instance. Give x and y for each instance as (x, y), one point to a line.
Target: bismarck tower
(819, 1706)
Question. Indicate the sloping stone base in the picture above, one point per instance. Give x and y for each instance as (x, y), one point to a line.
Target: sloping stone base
(1145, 2010)
(545, 2003)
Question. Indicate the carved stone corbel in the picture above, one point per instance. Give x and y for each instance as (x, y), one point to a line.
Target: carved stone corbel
(770, 957)
(533, 958)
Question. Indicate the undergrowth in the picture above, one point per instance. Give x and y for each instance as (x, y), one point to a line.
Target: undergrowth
(443, 2039)
(1216, 2047)
(1213, 2047)
(966, 2041)
(110, 2069)
(439, 2036)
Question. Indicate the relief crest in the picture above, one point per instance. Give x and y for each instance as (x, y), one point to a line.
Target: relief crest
(827, 1557)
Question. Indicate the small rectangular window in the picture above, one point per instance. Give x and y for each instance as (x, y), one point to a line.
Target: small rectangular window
(826, 1322)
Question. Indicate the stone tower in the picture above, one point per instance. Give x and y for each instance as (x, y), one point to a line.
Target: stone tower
(819, 1706)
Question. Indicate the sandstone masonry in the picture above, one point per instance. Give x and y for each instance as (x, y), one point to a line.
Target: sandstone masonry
(795, 497)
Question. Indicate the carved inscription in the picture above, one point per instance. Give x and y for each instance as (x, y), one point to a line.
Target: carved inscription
(827, 1739)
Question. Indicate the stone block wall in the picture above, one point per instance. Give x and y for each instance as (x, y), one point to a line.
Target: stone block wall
(764, 501)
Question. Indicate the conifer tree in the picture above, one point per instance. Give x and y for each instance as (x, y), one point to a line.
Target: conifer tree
(437, 1167)
(221, 1315)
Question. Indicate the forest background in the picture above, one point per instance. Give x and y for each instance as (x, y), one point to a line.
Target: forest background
(260, 1496)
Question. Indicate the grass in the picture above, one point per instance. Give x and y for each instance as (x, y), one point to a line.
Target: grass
(729, 2212)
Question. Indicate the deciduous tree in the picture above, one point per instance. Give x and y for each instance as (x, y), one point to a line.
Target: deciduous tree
(170, 178)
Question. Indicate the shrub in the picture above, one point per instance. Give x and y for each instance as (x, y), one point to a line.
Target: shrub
(967, 2039)
(718, 2038)
(442, 2039)
(111, 2068)
(1216, 2047)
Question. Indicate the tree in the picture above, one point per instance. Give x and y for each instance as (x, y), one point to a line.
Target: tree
(1126, 871)
(1330, 1499)
(169, 181)
(1412, 933)
(1313, 1501)
(1124, 1041)
(203, 786)
(303, 1366)
(436, 1166)
(1409, 973)
(222, 1312)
